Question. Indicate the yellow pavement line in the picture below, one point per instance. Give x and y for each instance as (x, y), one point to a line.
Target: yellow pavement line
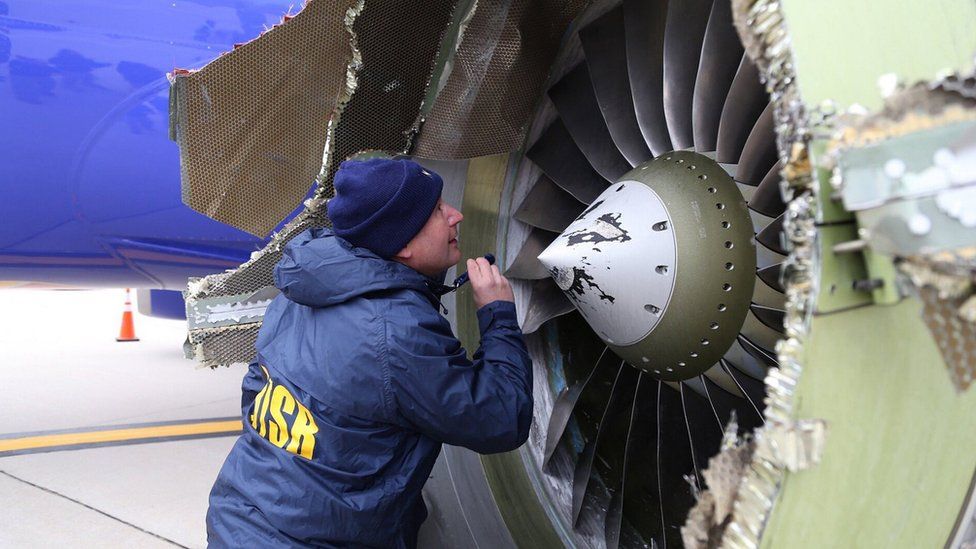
(117, 435)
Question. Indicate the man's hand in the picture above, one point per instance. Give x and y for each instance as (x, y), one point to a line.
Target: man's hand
(487, 283)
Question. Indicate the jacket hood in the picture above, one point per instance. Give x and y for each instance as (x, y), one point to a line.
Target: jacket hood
(319, 269)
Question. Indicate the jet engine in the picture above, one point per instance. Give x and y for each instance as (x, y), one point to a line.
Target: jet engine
(687, 230)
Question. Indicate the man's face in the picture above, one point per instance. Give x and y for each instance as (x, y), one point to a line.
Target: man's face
(435, 248)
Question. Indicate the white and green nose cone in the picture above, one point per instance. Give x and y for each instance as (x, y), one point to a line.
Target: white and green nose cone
(662, 265)
(616, 262)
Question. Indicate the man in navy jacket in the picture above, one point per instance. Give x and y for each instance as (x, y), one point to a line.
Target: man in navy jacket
(359, 379)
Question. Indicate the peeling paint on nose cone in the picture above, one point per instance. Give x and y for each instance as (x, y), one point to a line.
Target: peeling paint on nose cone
(616, 262)
(662, 265)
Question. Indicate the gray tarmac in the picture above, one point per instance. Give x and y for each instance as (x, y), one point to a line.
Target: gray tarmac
(63, 370)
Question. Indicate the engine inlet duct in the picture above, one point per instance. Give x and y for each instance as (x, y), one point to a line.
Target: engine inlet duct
(645, 250)
(661, 265)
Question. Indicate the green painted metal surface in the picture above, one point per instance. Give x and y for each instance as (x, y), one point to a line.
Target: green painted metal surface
(842, 47)
(714, 268)
(518, 501)
(901, 446)
(831, 207)
(839, 271)
(882, 267)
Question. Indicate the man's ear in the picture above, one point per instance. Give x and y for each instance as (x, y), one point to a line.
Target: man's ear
(403, 254)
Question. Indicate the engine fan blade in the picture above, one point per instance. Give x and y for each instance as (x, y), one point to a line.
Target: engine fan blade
(772, 236)
(767, 258)
(614, 517)
(562, 410)
(771, 276)
(758, 333)
(772, 318)
(606, 57)
(746, 190)
(727, 406)
(644, 24)
(743, 361)
(546, 302)
(617, 403)
(721, 53)
(641, 496)
(559, 157)
(767, 296)
(548, 206)
(683, 36)
(721, 403)
(767, 199)
(762, 355)
(752, 389)
(576, 102)
(527, 265)
(695, 385)
(676, 460)
(759, 153)
(744, 104)
(720, 378)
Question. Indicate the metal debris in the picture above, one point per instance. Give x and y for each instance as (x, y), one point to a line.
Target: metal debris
(708, 519)
(219, 311)
(909, 174)
(498, 72)
(794, 446)
(381, 89)
(946, 283)
(247, 159)
(954, 335)
(766, 38)
(229, 343)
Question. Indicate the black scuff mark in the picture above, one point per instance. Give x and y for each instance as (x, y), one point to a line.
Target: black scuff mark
(582, 283)
(611, 232)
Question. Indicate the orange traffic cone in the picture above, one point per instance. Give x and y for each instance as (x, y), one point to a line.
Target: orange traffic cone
(128, 330)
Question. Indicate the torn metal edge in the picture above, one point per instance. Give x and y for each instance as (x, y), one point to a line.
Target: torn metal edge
(212, 312)
(924, 105)
(762, 28)
(198, 288)
(196, 350)
(352, 72)
(464, 13)
(177, 117)
(461, 16)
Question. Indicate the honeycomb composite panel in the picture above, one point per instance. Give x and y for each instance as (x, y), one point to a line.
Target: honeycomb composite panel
(373, 62)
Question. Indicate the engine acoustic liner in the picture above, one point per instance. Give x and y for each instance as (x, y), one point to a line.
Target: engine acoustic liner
(499, 72)
(252, 124)
(392, 48)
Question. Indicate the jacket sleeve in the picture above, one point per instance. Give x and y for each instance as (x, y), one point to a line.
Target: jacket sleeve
(484, 405)
(251, 385)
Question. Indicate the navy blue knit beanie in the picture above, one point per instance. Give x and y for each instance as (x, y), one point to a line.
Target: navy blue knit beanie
(381, 204)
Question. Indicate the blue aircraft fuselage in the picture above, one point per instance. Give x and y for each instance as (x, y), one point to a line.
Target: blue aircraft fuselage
(89, 180)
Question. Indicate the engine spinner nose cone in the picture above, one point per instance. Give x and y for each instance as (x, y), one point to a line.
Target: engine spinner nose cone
(601, 262)
(662, 265)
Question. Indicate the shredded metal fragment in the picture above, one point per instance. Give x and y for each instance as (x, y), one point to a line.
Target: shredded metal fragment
(764, 34)
(498, 73)
(794, 446)
(954, 334)
(391, 49)
(251, 125)
(909, 173)
(708, 519)
(230, 344)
